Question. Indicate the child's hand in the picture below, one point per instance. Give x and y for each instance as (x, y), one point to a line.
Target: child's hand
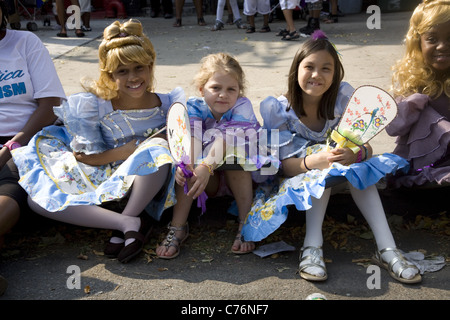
(180, 178)
(127, 149)
(344, 156)
(199, 181)
(320, 160)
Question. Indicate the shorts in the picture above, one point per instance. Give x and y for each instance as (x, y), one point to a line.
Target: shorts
(251, 7)
(85, 6)
(289, 4)
(9, 184)
(314, 5)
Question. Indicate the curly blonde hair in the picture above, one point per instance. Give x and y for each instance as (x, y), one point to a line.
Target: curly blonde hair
(411, 73)
(122, 44)
(218, 62)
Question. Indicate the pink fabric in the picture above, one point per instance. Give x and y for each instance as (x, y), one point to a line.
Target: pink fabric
(422, 128)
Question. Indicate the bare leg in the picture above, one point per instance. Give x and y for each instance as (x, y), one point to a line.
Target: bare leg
(199, 9)
(179, 4)
(289, 20)
(180, 216)
(9, 215)
(240, 183)
(179, 220)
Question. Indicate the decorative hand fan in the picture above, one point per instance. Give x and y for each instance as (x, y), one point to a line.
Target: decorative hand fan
(179, 139)
(369, 110)
(179, 133)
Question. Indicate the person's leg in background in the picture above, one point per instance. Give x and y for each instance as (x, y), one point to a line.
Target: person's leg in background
(62, 17)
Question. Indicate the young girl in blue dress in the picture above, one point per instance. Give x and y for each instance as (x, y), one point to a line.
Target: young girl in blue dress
(103, 152)
(221, 107)
(313, 105)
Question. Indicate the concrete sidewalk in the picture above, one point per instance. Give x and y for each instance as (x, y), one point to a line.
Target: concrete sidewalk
(36, 262)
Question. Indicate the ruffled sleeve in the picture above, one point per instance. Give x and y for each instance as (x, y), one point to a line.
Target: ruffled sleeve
(273, 112)
(282, 141)
(176, 95)
(344, 94)
(198, 112)
(409, 111)
(242, 112)
(80, 114)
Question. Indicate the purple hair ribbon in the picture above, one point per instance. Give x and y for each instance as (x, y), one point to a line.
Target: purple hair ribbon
(319, 34)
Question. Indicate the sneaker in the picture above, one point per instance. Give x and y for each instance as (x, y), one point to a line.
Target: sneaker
(85, 29)
(308, 30)
(239, 24)
(218, 26)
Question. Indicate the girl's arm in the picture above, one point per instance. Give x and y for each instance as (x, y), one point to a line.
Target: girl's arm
(322, 160)
(108, 156)
(294, 166)
(43, 116)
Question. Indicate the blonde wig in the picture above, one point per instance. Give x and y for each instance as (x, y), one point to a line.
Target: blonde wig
(220, 62)
(122, 44)
(411, 73)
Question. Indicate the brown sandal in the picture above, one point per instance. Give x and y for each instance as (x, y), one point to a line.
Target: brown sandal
(264, 29)
(172, 241)
(201, 21)
(239, 237)
(177, 23)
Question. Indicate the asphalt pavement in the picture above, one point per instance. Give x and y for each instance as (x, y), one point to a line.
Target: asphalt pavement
(45, 260)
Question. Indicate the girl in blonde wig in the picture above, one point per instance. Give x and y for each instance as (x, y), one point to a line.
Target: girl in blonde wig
(107, 150)
(421, 84)
(121, 44)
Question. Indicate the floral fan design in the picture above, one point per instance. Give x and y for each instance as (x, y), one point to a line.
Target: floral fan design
(179, 139)
(179, 133)
(369, 110)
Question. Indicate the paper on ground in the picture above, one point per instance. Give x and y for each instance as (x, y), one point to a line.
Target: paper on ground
(271, 248)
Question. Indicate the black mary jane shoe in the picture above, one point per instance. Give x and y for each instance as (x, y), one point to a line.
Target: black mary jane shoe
(113, 249)
(141, 237)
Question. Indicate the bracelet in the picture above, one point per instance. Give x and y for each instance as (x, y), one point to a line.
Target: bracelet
(304, 163)
(358, 159)
(366, 153)
(11, 145)
(209, 166)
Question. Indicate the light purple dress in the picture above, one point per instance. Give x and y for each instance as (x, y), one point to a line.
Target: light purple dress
(422, 127)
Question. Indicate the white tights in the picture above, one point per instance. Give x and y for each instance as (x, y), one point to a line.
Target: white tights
(143, 191)
(369, 203)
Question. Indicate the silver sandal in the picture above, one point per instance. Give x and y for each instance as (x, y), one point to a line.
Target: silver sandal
(404, 264)
(315, 258)
(172, 241)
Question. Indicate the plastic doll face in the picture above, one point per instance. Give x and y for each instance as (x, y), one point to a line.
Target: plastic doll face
(220, 92)
(435, 45)
(315, 73)
(132, 79)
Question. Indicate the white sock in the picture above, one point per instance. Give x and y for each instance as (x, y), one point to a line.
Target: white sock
(371, 207)
(315, 271)
(408, 273)
(313, 236)
(116, 240)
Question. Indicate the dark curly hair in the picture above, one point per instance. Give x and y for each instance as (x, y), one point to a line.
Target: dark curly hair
(4, 8)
